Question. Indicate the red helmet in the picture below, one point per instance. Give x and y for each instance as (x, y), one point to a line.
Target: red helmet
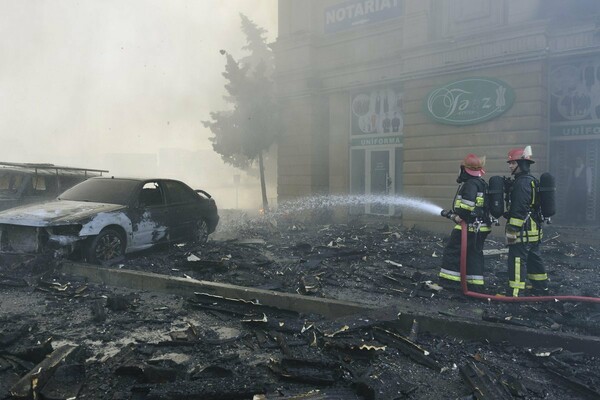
(474, 165)
(520, 154)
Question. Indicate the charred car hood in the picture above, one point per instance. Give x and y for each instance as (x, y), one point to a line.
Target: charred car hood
(58, 212)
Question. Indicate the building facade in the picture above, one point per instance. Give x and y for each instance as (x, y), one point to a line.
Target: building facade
(388, 96)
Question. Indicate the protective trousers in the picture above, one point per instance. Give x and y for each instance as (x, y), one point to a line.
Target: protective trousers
(475, 263)
(525, 262)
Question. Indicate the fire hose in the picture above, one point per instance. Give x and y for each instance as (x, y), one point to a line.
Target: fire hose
(466, 292)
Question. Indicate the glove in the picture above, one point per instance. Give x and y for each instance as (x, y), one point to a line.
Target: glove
(457, 219)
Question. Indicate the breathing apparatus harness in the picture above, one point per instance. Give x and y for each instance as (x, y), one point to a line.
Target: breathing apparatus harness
(542, 207)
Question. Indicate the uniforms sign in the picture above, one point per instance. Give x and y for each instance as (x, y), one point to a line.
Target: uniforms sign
(377, 141)
(469, 101)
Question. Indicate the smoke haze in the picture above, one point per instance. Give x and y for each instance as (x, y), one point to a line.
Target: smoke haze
(121, 85)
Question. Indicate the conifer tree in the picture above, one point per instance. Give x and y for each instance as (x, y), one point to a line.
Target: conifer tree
(243, 133)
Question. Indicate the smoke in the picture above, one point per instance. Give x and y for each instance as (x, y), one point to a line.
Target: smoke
(87, 83)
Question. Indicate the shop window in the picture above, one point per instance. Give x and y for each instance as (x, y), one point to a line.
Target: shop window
(575, 165)
(457, 17)
(357, 172)
(465, 10)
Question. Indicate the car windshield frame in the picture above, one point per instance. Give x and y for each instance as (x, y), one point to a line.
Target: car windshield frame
(102, 190)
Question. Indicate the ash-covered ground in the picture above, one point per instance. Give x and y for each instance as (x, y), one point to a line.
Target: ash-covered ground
(114, 343)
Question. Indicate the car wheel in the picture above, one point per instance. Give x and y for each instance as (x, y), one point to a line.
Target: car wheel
(106, 246)
(200, 232)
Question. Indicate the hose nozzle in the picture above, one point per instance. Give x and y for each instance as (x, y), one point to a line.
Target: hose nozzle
(447, 214)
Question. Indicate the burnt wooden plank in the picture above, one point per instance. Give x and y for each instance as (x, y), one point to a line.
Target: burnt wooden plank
(407, 348)
(41, 373)
(484, 384)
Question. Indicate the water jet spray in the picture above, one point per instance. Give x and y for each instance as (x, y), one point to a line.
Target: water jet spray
(329, 201)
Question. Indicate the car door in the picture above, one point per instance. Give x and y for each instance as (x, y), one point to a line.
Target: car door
(150, 216)
(184, 206)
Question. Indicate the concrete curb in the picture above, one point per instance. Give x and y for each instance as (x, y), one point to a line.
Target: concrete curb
(187, 287)
(429, 319)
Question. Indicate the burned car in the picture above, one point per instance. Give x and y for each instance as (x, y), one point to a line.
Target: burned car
(103, 218)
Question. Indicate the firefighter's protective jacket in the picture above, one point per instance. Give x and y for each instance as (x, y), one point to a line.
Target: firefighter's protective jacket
(524, 220)
(470, 205)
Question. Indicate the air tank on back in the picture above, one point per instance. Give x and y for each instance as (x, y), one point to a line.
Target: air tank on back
(547, 195)
(496, 196)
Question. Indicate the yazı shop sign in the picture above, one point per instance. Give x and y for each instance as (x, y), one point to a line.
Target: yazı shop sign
(469, 101)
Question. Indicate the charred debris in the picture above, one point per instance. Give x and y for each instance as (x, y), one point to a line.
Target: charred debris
(63, 337)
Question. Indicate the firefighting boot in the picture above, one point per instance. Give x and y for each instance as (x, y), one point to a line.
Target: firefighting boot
(448, 284)
(540, 288)
(476, 288)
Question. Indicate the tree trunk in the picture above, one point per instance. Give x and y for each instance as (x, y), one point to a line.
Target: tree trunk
(263, 186)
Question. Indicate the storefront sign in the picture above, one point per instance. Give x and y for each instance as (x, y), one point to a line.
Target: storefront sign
(575, 130)
(353, 13)
(469, 101)
(377, 141)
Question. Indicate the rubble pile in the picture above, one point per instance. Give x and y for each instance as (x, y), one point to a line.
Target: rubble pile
(381, 264)
(62, 337)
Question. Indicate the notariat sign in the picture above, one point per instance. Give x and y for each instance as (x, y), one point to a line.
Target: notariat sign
(469, 101)
(353, 13)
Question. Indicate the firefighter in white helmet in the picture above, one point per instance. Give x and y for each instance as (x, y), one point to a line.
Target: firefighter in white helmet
(524, 227)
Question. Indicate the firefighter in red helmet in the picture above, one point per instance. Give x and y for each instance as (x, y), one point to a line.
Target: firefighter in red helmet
(524, 227)
(470, 206)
